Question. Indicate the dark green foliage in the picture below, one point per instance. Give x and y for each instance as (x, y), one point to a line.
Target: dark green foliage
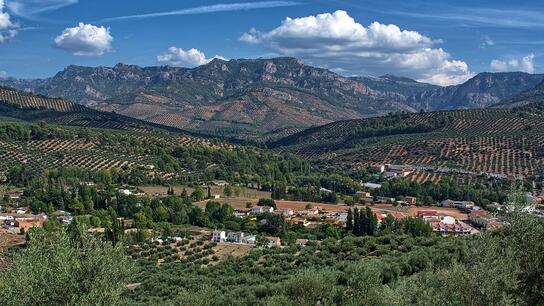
(480, 193)
(65, 268)
(267, 202)
(362, 222)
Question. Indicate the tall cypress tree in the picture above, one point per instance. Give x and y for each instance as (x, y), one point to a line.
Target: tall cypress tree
(349, 221)
(356, 222)
(363, 220)
(372, 222)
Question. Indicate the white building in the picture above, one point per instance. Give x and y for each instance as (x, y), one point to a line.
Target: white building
(256, 210)
(125, 192)
(218, 236)
(325, 190)
(235, 237)
(261, 209)
(6, 217)
(286, 212)
(372, 185)
(268, 209)
(250, 240)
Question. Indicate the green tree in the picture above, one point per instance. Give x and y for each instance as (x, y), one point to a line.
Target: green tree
(349, 221)
(197, 194)
(227, 191)
(266, 202)
(60, 269)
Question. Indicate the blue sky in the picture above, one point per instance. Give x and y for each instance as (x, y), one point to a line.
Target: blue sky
(442, 42)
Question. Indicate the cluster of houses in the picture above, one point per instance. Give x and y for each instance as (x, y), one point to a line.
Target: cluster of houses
(309, 217)
(445, 225)
(393, 171)
(248, 239)
(243, 238)
(20, 220)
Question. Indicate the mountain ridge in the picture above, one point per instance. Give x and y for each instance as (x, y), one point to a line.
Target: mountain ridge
(250, 98)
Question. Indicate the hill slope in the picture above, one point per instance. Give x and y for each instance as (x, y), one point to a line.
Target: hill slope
(498, 142)
(26, 106)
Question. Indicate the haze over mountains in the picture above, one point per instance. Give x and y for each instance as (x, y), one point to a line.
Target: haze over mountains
(271, 97)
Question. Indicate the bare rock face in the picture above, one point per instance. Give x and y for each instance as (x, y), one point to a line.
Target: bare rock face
(483, 90)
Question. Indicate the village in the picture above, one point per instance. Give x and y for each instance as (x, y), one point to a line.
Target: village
(450, 217)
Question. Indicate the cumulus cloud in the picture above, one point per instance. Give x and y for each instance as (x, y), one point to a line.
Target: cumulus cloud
(337, 41)
(190, 58)
(85, 39)
(3, 74)
(524, 64)
(8, 29)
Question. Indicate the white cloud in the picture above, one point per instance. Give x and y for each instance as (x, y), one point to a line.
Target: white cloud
(8, 29)
(3, 74)
(31, 9)
(337, 41)
(206, 9)
(85, 39)
(190, 58)
(524, 64)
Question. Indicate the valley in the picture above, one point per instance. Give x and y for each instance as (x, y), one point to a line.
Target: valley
(271, 153)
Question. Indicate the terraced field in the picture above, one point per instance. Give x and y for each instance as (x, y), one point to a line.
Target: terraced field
(30, 107)
(38, 155)
(96, 152)
(496, 142)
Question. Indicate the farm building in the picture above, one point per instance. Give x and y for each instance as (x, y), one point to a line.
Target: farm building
(411, 200)
(273, 241)
(457, 204)
(218, 236)
(220, 183)
(428, 215)
(235, 237)
(449, 226)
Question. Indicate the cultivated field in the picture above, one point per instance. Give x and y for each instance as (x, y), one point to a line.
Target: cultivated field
(465, 142)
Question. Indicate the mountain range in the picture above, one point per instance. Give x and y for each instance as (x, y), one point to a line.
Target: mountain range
(264, 98)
